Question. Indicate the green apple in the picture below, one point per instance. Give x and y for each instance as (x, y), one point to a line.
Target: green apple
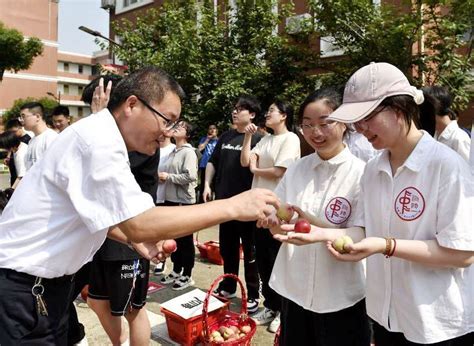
(340, 243)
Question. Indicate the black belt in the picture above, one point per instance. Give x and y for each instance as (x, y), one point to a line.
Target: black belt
(13, 274)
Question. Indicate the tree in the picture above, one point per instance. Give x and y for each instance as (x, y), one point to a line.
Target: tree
(14, 112)
(15, 53)
(369, 33)
(217, 57)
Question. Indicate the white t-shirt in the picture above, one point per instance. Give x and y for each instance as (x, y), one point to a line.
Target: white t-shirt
(275, 151)
(359, 146)
(429, 197)
(455, 138)
(61, 212)
(163, 167)
(37, 146)
(471, 156)
(20, 162)
(309, 275)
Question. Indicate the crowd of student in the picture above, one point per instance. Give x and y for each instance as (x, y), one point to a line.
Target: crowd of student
(388, 165)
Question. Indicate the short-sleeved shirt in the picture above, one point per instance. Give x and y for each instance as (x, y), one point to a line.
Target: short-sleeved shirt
(37, 147)
(430, 197)
(309, 275)
(208, 150)
(275, 151)
(455, 138)
(19, 156)
(230, 177)
(61, 212)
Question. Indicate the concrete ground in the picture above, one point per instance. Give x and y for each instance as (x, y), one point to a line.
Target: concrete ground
(204, 274)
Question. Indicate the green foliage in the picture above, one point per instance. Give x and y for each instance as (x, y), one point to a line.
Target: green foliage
(15, 53)
(14, 112)
(217, 60)
(368, 33)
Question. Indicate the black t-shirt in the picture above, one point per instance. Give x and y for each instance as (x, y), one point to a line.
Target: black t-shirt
(231, 178)
(144, 169)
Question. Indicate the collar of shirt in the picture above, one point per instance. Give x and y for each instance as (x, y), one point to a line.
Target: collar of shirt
(448, 131)
(187, 145)
(336, 160)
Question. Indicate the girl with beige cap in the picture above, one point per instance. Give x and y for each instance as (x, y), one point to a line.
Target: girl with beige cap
(418, 215)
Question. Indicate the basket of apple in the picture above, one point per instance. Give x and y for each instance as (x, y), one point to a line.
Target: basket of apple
(233, 328)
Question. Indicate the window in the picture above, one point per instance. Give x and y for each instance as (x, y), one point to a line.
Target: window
(66, 89)
(80, 69)
(66, 67)
(80, 111)
(80, 89)
(128, 5)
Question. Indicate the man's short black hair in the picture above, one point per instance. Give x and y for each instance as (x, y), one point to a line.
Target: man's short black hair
(13, 123)
(149, 83)
(250, 103)
(88, 91)
(34, 107)
(60, 110)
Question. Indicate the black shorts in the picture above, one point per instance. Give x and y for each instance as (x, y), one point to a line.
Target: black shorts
(113, 281)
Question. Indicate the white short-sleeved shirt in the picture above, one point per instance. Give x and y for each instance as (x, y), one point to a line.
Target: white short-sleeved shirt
(19, 157)
(429, 197)
(309, 275)
(163, 167)
(275, 151)
(37, 147)
(61, 212)
(471, 155)
(455, 138)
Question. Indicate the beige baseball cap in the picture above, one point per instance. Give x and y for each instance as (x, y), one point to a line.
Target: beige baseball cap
(368, 87)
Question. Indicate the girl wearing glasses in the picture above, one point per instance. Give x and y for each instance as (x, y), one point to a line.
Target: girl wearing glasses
(323, 299)
(268, 161)
(418, 208)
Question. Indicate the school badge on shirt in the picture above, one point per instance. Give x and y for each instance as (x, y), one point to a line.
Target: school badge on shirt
(409, 204)
(338, 210)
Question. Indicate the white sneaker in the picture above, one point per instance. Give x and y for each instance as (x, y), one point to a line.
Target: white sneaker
(275, 324)
(160, 268)
(264, 316)
(252, 305)
(224, 294)
(170, 278)
(182, 283)
(83, 342)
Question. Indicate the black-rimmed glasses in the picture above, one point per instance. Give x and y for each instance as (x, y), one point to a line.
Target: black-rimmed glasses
(169, 123)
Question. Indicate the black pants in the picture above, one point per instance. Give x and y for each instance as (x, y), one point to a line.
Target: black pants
(20, 322)
(267, 251)
(183, 257)
(383, 337)
(230, 234)
(76, 329)
(348, 327)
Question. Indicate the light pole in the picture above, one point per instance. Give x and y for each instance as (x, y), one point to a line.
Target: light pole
(57, 98)
(97, 34)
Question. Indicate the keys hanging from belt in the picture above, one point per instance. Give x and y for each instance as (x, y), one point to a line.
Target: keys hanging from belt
(37, 291)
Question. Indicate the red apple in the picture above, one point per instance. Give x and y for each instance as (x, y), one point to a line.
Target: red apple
(302, 226)
(285, 212)
(169, 246)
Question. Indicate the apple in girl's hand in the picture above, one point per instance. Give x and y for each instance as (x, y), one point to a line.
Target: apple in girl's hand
(302, 226)
(285, 212)
(169, 246)
(341, 242)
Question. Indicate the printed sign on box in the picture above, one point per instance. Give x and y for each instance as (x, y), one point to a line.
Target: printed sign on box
(190, 304)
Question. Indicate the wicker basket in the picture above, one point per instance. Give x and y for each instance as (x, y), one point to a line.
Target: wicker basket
(228, 319)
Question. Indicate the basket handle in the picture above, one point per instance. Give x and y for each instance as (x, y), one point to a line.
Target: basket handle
(205, 306)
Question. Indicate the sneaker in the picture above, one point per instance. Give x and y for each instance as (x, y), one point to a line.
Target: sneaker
(182, 283)
(160, 268)
(252, 305)
(170, 278)
(224, 294)
(275, 324)
(264, 316)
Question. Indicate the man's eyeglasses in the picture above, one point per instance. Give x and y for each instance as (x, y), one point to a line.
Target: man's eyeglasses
(169, 123)
(363, 124)
(239, 109)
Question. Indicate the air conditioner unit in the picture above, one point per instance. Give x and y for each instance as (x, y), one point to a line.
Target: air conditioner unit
(106, 4)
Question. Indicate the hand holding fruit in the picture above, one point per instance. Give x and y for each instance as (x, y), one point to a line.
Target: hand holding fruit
(357, 251)
(285, 212)
(155, 252)
(340, 243)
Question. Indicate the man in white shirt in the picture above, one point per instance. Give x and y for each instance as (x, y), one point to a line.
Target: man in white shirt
(32, 117)
(84, 191)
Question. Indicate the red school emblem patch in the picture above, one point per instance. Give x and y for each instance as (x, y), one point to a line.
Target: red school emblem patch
(338, 210)
(409, 204)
